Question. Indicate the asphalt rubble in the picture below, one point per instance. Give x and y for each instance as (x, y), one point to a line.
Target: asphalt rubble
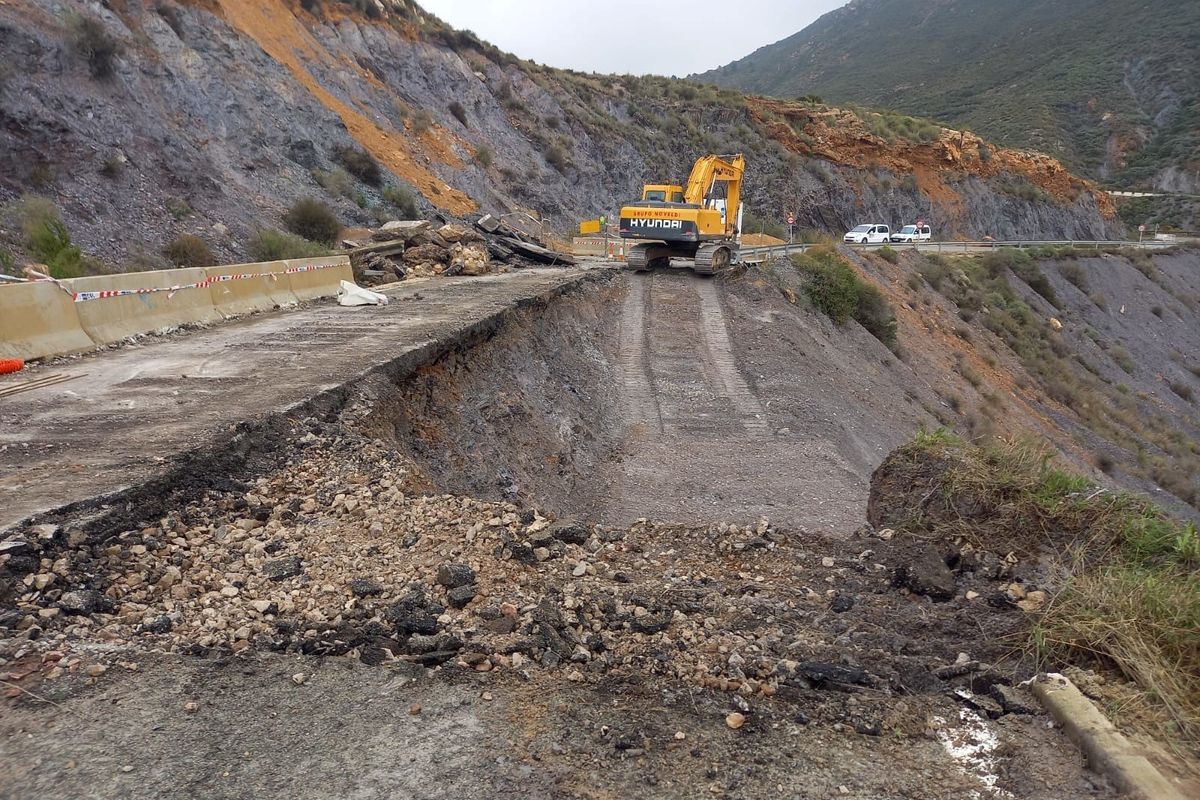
(403, 249)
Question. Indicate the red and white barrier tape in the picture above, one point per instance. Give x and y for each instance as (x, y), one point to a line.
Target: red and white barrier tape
(102, 294)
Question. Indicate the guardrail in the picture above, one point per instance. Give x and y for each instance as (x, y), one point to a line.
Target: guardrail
(772, 251)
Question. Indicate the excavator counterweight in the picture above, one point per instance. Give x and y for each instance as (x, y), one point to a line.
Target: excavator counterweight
(700, 222)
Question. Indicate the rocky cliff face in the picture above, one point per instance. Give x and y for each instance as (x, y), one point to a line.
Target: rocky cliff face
(144, 120)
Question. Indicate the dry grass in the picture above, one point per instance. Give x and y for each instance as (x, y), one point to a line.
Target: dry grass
(1130, 574)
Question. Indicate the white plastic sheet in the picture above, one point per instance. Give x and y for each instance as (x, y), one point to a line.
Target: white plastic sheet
(350, 294)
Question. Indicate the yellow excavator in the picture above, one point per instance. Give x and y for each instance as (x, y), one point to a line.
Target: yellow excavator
(702, 222)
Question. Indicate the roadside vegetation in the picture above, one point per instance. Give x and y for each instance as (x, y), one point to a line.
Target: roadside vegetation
(893, 127)
(1129, 574)
(1159, 452)
(835, 289)
(273, 245)
(189, 250)
(45, 237)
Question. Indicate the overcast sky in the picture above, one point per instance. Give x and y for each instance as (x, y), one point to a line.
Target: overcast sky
(664, 37)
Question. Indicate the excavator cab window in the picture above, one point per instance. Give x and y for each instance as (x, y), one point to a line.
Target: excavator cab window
(656, 195)
(677, 197)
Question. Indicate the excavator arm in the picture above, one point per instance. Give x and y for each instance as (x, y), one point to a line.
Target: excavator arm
(702, 186)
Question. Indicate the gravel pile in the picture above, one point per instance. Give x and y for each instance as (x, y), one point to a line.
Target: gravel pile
(337, 554)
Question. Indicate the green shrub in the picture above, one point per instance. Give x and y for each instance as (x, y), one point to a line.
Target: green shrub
(935, 269)
(178, 207)
(483, 156)
(421, 121)
(91, 41)
(45, 236)
(313, 220)
(188, 250)
(1074, 275)
(754, 223)
(460, 113)
(272, 245)
(1124, 360)
(1025, 190)
(556, 156)
(41, 176)
(111, 168)
(1182, 389)
(359, 163)
(888, 254)
(337, 181)
(875, 314)
(1024, 267)
(403, 201)
(835, 289)
(832, 283)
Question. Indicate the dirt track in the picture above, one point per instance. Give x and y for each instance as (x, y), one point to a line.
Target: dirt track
(700, 443)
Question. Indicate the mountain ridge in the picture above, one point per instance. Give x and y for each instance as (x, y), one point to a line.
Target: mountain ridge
(1110, 87)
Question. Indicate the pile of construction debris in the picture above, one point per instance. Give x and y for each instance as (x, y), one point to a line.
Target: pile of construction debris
(336, 554)
(414, 248)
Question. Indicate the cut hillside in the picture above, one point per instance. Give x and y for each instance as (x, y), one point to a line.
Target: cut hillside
(144, 121)
(1110, 87)
(1115, 389)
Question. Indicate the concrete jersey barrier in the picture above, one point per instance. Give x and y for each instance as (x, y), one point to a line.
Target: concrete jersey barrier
(111, 319)
(39, 320)
(48, 318)
(311, 278)
(268, 288)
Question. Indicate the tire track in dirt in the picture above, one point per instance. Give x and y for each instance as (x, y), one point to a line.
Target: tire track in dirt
(719, 355)
(715, 454)
(639, 401)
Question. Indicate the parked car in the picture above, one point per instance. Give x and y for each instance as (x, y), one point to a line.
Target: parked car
(868, 234)
(912, 233)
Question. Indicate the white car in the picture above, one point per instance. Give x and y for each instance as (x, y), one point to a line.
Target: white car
(913, 233)
(868, 234)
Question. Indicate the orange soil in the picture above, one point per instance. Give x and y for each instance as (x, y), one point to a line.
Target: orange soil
(759, 240)
(841, 137)
(272, 24)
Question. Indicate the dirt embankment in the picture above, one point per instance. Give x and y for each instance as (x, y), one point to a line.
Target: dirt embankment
(526, 415)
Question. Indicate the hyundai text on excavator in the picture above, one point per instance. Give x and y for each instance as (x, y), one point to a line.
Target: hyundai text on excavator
(702, 222)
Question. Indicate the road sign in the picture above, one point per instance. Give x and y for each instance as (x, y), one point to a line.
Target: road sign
(1141, 228)
(920, 223)
(791, 219)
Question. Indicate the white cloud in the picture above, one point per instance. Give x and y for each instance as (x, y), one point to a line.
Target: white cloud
(667, 37)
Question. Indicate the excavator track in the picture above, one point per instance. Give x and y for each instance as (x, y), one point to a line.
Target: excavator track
(711, 258)
(638, 258)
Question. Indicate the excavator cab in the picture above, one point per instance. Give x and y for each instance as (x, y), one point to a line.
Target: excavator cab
(662, 193)
(701, 222)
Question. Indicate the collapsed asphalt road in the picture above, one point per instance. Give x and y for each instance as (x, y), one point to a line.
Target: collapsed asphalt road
(330, 621)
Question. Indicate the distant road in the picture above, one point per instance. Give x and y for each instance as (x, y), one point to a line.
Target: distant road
(771, 251)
